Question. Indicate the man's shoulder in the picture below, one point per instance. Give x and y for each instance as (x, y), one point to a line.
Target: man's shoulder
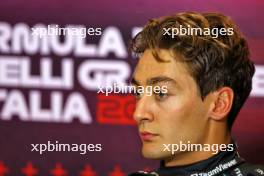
(247, 169)
(244, 169)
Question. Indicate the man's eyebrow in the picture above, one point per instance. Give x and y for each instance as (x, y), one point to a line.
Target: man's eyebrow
(155, 80)
(159, 79)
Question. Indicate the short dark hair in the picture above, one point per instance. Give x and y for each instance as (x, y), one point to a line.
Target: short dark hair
(212, 62)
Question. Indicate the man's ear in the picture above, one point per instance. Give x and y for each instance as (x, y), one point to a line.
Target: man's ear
(222, 103)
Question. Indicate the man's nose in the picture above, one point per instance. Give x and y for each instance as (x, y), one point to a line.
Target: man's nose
(143, 109)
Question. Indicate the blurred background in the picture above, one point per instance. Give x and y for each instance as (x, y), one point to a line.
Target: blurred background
(49, 84)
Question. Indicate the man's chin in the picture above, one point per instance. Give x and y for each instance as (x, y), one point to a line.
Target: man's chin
(151, 152)
(149, 155)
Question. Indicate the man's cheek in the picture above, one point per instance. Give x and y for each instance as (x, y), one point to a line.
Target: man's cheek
(175, 104)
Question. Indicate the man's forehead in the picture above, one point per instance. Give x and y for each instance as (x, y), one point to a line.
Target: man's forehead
(157, 55)
(149, 64)
(149, 69)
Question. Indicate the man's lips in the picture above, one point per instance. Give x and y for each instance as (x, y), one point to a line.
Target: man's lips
(147, 136)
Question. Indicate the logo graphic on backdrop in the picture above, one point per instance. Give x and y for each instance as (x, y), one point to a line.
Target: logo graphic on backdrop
(45, 79)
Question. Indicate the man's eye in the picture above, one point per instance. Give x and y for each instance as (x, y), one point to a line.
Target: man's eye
(137, 94)
(161, 95)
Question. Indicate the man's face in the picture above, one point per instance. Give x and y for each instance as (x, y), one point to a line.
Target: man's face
(179, 115)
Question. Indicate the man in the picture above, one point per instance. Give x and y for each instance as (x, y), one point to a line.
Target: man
(203, 61)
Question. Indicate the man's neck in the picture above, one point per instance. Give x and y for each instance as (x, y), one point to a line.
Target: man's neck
(212, 140)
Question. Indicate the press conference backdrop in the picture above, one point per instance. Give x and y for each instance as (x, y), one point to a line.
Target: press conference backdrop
(49, 84)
